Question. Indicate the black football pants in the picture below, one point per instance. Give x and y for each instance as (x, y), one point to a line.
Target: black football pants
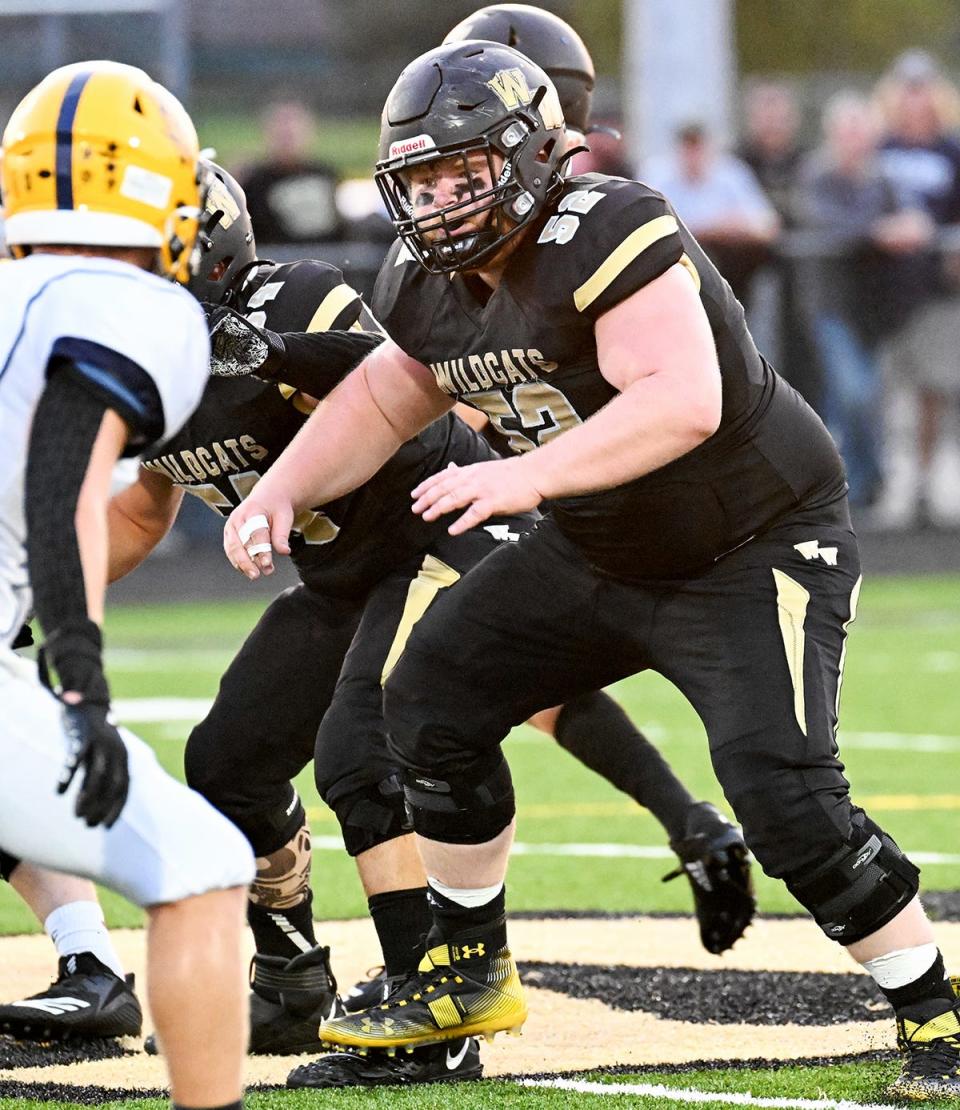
(756, 644)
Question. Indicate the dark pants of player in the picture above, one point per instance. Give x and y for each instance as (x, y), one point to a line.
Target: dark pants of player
(756, 644)
(261, 729)
(314, 663)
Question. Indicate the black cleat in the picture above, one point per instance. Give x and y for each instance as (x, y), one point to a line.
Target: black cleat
(714, 858)
(290, 998)
(450, 1062)
(928, 1037)
(87, 1000)
(368, 992)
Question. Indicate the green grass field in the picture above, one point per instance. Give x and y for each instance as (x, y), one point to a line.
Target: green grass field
(899, 736)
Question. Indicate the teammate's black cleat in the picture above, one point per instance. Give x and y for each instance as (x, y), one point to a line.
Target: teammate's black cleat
(87, 1000)
(450, 1062)
(368, 992)
(290, 998)
(714, 858)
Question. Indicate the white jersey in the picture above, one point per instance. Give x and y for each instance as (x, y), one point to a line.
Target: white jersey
(140, 341)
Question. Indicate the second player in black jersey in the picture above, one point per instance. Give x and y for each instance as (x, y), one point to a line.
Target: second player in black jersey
(699, 528)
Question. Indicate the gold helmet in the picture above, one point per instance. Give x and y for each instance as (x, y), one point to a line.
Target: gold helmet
(99, 154)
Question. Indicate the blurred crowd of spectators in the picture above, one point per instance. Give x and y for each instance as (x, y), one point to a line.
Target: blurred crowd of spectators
(857, 234)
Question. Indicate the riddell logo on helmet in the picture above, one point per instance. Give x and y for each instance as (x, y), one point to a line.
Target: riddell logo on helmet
(411, 146)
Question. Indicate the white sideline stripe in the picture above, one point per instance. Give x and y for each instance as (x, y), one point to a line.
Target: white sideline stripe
(610, 851)
(150, 711)
(159, 710)
(693, 1094)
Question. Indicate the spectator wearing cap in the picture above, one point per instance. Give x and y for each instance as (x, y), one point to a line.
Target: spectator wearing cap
(719, 198)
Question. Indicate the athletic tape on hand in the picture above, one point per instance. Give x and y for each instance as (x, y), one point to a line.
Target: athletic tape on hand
(258, 549)
(249, 526)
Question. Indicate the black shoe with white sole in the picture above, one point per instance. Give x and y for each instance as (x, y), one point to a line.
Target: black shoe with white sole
(87, 1000)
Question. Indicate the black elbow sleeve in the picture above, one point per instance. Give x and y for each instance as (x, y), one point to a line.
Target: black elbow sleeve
(315, 362)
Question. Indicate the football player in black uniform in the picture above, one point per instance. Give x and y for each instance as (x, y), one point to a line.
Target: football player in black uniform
(698, 527)
(369, 567)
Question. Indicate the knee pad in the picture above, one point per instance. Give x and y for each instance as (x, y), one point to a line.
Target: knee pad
(372, 815)
(861, 887)
(268, 830)
(7, 865)
(470, 808)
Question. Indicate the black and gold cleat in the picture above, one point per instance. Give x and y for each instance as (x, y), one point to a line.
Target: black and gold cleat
(928, 1036)
(714, 858)
(459, 990)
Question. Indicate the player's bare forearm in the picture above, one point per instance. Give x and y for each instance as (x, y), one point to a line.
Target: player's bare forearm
(137, 520)
(357, 428)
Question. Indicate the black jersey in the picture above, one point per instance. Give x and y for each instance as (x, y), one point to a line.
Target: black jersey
(527, 357)
(242, 425)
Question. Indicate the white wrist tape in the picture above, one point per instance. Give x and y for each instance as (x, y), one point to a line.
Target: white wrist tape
(250, 525)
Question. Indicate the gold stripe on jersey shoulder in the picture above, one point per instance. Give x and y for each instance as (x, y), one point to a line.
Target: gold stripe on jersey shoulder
(331, 306)
(687, 263)
(620, 258)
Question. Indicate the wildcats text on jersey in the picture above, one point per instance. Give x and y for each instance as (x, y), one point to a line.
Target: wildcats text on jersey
(491, 370)
(203, 463)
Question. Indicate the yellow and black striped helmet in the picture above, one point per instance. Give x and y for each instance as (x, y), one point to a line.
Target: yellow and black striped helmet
(99, 154)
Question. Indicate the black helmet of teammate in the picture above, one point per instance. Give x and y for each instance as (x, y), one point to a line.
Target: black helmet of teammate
(547, 41)
(225, 240)
(458, 100)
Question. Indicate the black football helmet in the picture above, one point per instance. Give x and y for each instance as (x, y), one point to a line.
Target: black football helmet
(457, 100)
(225, 236)
(547, 41)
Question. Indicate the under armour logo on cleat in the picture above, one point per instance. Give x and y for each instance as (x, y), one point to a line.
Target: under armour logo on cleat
(467, 952)
(811, 549)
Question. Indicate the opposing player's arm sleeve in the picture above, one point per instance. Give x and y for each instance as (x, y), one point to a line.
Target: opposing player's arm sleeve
(64, 430)
(625, 236)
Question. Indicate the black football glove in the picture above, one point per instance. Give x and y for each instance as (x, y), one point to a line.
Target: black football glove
(239, 348)
(97, 747)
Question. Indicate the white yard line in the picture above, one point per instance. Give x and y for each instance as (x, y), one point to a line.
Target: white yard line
(610, 851)
(693, 1094)
(150, 710)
